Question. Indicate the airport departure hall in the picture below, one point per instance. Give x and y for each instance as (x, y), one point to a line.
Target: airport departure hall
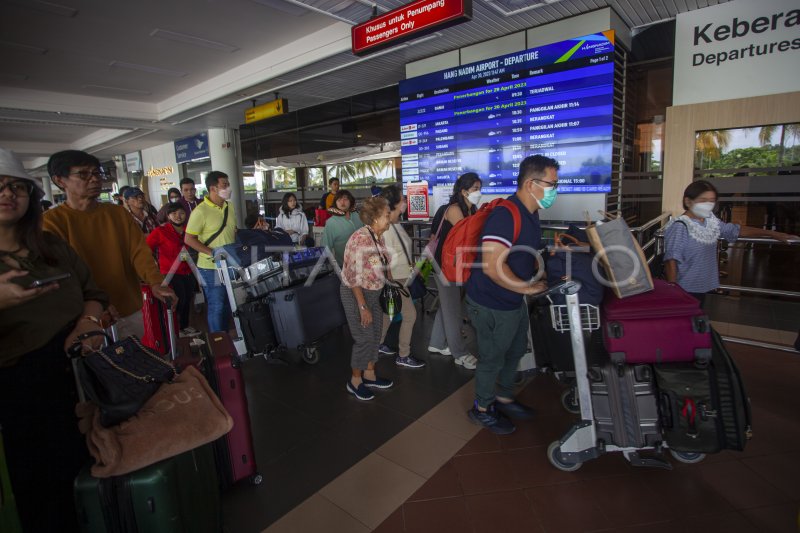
(340, 266)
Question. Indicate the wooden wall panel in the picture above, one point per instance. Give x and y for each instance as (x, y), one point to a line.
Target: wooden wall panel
(684, 121)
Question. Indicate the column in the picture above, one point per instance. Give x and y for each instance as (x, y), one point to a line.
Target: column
(47, 187)
(222, 148)
(122, 176)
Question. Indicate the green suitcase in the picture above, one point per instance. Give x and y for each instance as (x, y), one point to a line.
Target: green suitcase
(9, 520)
(177, 495)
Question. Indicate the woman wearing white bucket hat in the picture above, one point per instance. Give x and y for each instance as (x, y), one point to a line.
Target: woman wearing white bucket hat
(44, 448)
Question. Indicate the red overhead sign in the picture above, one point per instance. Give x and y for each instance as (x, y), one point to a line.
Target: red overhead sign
(408, 22)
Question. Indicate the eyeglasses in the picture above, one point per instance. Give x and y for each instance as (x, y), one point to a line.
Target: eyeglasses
(18, 188)
(553, 184)
(86, 174)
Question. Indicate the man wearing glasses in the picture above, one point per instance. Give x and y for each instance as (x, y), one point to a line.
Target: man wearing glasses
(105, 237)
(496, 295)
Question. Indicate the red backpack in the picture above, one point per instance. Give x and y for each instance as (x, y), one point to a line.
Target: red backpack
(463, 241)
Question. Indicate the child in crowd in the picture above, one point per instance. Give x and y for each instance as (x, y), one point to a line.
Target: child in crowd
(166, 241)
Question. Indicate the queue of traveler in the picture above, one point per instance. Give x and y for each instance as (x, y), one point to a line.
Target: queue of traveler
(101, 272)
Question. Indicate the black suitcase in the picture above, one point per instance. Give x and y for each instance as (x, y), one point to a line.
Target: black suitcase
(704, 407)
(552, 349)
(257, 328)
(305, 313)
(625, 405)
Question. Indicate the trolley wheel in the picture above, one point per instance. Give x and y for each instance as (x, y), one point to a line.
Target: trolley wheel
(688, 458)
(569, 400)
(256, 479)
(554, 456)
(311, 355)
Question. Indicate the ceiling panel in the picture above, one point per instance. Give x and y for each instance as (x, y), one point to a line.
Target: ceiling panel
(79, 51)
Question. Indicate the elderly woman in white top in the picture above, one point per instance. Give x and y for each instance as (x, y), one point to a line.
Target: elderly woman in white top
(399, 245)
(292, 220)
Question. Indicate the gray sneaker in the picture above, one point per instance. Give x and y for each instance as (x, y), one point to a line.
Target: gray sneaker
(410, 362)
(491, 420)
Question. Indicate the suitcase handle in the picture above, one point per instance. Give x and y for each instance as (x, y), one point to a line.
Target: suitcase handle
(615, 330)
(689, 412)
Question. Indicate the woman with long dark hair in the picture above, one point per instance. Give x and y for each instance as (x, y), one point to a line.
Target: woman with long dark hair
(399, 245)
(690, 255)
(37, 389)
(446, 337)
(293, 221)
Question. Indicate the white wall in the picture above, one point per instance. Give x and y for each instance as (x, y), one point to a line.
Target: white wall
(160, 157)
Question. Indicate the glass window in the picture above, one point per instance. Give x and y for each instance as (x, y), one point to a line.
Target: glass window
(775, 146)
(315, 177)
(756, 172)
(363, 172)
(284, 178)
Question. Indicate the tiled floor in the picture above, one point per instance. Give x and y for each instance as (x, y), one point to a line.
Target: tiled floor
(410, 460)
(505, 483)
(308, 430)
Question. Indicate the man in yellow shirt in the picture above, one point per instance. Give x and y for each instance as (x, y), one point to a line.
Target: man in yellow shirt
(213, 224)
(105, 236)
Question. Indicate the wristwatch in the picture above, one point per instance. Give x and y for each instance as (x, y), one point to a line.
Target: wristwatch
(362, 306)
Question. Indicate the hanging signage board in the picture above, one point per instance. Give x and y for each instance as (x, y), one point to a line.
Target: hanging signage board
(408, 22)
(417, 200)
(270, 109)
(191, 148)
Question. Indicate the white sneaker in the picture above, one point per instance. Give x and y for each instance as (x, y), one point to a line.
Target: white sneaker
(468, 361)
(443, 351)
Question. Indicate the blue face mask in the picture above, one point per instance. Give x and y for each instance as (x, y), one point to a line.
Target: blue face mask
(549, 198)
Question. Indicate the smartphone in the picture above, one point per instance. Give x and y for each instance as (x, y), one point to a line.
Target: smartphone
(48, 281)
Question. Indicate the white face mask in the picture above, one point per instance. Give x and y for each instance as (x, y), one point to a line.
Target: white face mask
(225, 194)
(474, 197)
(703, 209)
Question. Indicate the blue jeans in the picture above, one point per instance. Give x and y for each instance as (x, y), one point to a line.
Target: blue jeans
(218, 308)
(502, 340)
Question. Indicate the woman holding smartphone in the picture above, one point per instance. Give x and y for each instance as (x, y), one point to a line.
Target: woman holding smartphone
(37, 389)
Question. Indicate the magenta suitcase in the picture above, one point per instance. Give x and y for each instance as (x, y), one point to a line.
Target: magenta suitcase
(660, 326)
(234, 451)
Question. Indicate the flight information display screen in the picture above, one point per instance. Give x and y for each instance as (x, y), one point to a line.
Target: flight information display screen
(486, 117)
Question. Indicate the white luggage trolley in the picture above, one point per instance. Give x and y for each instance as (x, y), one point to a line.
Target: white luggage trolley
(581, 443)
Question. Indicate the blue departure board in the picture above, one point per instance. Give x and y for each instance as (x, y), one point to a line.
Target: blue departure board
(486, 117)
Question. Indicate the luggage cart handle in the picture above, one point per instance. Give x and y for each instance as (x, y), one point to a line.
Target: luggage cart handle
(565, 288)
(173, 341)
(73, 353)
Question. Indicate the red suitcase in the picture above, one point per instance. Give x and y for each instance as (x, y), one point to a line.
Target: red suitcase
(234, 451)
(156, 334)
(660, 326)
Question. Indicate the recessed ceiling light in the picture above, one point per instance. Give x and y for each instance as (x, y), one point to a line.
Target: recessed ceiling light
(13, 77)
(47, 7)
(146, 68)
(282, 5)
(192, 39)
(115, 89)
(24, 47)
(341, 6)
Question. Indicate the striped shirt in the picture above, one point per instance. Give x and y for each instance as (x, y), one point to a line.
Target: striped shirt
(698, 268)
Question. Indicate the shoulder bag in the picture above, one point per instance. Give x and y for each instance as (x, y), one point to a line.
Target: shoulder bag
(221, 228)
(120, 377)
(391, 295)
